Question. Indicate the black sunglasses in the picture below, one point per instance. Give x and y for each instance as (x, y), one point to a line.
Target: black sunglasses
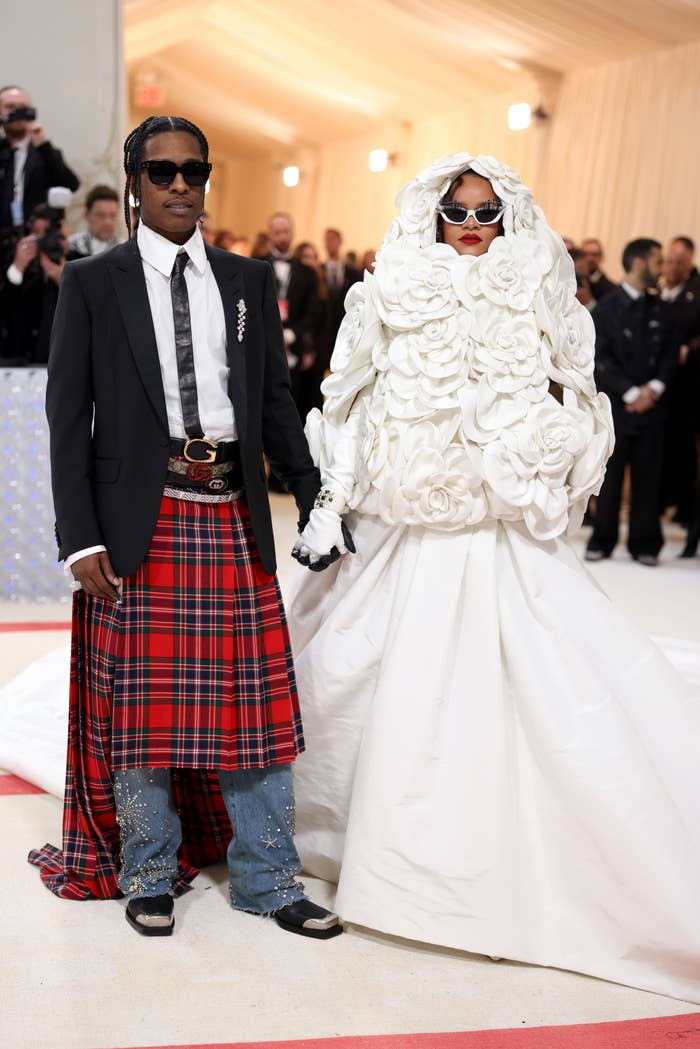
(163, 172)
(485, 214)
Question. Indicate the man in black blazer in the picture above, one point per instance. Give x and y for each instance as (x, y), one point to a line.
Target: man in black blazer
(299, 308)
(636, 355)
(167, 382)
(339, 279)
(600, 284)
(34, 164)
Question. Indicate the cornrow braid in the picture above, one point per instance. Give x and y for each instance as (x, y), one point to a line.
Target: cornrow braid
(133, 149)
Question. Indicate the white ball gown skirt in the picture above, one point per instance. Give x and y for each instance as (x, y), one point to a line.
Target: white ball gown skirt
(497, 759)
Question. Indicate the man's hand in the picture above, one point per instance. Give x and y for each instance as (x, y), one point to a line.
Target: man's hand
(52, 270)
(37, 135)
(683, 354)
(25, 251)
(97, 577)
(647, 399)
(324, 539)
(308, 359)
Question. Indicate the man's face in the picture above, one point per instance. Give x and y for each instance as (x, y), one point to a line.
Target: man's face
(39, 227)
(102, 219)
(593, 255)
(11, 99)
(172, 211)
(651, 267)
(281, 233)
(678, 262)
(332, 242)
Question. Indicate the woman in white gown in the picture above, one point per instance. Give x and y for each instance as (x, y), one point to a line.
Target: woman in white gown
(497, 759)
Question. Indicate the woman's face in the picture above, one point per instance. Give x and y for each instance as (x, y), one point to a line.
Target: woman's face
(309, 256)
(470, 238)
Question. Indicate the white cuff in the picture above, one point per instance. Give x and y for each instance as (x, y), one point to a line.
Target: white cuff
(83, 553)
(290, 337)
(631, 395)
(14, 275)
(657, 386)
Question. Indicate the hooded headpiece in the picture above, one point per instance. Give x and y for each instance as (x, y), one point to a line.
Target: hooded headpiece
(468, 380)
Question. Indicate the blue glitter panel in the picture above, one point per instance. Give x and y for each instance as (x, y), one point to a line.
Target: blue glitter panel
(28, 567)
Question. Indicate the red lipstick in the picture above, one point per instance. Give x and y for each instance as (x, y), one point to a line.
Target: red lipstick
(470, 238)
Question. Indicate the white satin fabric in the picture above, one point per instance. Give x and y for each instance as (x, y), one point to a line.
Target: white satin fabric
(497, 759)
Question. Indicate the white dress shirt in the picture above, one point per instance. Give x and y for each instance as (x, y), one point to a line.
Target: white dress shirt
(208, 325)
(21, 150)
(656, 385)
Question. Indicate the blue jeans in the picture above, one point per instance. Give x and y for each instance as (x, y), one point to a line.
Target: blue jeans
(262, 858)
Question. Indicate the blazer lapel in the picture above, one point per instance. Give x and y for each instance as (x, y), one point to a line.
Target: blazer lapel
(130, 286)
(230, 281)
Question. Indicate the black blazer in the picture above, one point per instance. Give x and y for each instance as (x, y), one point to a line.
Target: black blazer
(335, 311)
(601, 287)
(45, 168)
(304, 305)
(108, 477)
(635, 342)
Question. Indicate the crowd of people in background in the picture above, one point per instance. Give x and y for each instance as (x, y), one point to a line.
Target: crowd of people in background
(647, 327)
(647, 360)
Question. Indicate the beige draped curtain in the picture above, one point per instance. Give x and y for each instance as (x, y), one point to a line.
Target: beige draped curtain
(622, 154)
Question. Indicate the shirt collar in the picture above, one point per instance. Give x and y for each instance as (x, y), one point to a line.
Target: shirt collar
(160, 252)
(632, 292)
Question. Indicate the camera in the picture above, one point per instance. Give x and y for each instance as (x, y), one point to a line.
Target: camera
(52, 243)
(27, 113)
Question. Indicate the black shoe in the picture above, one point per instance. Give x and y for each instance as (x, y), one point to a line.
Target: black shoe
(151, 915)
(690, 550)
(595, 555)
(650, 560)
(307, 919)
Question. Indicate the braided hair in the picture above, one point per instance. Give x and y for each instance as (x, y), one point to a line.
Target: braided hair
(133, 149)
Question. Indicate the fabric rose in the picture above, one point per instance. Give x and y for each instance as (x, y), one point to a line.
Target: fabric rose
(436, 490)
(508, 274)
(529, 465)
(505, 348)
(569, 334)
(417, 204)
(426, 367)
(359, 336)
(414, 285)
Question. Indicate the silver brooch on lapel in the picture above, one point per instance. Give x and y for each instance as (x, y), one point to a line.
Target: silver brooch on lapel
(242, 310)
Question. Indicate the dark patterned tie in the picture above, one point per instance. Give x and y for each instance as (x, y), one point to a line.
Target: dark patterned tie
(183, 347)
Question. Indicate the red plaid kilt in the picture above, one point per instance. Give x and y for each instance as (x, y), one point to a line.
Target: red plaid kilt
(193, 672)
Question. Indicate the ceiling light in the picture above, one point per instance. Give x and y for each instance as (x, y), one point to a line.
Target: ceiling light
(519, 116)
(290, 176)
(378, 160)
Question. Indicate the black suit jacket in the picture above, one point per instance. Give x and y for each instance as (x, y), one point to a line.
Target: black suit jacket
(45, 168)
(335, 311)
(303, 304)
(601, 287)
(108, 476)
(635, 342)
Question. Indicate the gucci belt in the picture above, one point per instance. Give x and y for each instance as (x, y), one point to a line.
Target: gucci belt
(204, 476)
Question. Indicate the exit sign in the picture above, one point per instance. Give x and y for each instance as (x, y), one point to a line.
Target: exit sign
(150, 96)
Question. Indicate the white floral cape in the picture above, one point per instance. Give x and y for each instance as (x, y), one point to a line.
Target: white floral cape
(442, 392)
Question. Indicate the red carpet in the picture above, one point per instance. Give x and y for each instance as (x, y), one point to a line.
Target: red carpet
(33, 625)
(660, 1033)
(14, 785)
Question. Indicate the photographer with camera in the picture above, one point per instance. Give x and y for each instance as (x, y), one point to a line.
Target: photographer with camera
(29, 166)
(32, 281)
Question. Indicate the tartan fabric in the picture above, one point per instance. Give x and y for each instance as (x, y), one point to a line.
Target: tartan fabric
(193, 672)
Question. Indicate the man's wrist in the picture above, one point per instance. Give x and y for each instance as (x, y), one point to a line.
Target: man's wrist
(79, 554)
(631, 395)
